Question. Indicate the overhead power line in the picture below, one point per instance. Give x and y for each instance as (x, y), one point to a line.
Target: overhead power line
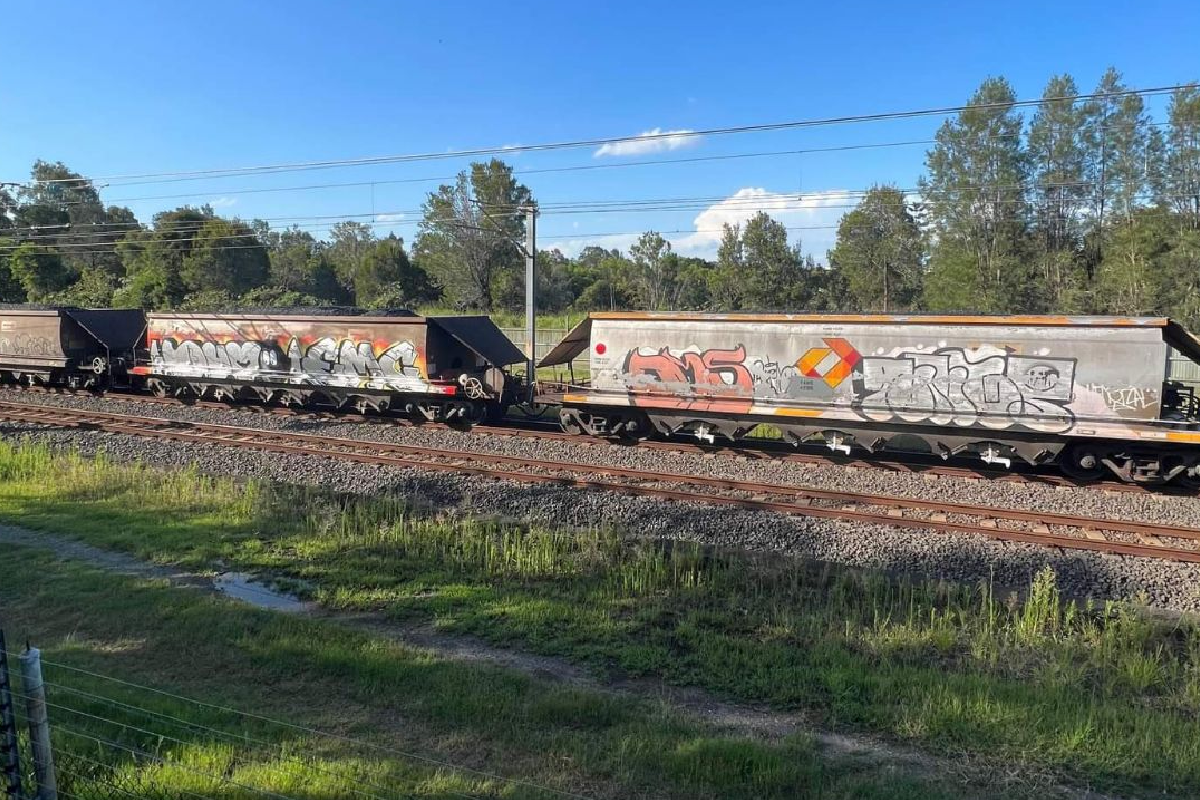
(169, 177)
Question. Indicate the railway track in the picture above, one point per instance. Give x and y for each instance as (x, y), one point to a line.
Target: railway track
(1122, 537)
(912, 463)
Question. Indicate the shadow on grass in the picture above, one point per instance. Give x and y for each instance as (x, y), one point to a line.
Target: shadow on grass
(320, 676)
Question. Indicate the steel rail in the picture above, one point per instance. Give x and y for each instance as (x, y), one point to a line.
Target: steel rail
(765, 450)
(515, 468)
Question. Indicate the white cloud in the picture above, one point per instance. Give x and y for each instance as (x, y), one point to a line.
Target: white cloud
(811, 216)
(389, 217)
(654, 140)
(223, 202)
(573, 247)
(816, 213)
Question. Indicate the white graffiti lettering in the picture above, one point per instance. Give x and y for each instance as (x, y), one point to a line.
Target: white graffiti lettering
(980, 386)
(326, 362)
(1126, 398)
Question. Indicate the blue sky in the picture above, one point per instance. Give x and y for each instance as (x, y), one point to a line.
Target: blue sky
(136, 87)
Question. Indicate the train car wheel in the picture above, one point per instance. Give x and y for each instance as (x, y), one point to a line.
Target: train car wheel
(1082, 462)
(1188, 481)
(568, 420)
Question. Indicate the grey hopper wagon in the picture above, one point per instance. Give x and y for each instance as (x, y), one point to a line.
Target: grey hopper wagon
(69, 347)
(1089, 393)
(450, 369)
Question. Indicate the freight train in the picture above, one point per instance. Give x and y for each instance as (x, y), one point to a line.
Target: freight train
(446, 369)
(1089, 394)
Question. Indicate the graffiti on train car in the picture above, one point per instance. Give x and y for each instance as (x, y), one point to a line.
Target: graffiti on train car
(27, 344)
(720, 378)
(987, 385)
(329, 360)
(1126, 398)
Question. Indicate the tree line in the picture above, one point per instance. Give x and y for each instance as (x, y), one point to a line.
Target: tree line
(1084, 206)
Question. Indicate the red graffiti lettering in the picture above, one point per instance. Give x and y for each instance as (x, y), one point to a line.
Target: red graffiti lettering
(714, 380)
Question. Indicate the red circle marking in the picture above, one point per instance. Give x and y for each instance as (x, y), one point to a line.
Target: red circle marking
(601, 349)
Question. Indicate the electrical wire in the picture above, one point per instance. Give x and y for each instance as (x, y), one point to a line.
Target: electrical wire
(648, 205)
(170, 177)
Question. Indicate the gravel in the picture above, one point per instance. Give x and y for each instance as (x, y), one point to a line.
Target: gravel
(1166, 585)
(1137, 506)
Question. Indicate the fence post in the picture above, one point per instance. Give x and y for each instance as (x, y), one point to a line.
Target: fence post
(10, 756)
(39, 724)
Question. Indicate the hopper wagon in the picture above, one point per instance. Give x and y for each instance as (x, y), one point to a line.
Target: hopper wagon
(451, 369)
(67, 347)
(1090, 394)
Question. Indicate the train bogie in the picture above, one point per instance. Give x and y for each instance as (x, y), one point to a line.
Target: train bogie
(1089, 392)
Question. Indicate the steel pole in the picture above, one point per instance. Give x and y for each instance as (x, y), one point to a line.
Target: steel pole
(530, 300)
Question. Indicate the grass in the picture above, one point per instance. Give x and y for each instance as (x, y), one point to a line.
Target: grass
(115, 740)
(1098, 693)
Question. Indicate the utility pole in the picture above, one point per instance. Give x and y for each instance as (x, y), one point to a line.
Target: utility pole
(530, 298)
(10, 758)
(39, 723)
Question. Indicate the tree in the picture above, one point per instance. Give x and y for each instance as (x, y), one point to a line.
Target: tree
(1058, 162)
(386, 277)
(880, 252)
(694, 277)
(1116, 136)
(349, 243)
(1178, 283)
(727, 279)
(94, 288)
(757, 268)
(65, 209)
(1127, 280)
(469, 234)
(8, 210)
(11, 290)
(602, 279)
(773, 275)
(1182, 172)
(975, 197)
(39, 270)
(555, 289)
(152, 260)
(301, 265)
(225, 256)
(654, 268)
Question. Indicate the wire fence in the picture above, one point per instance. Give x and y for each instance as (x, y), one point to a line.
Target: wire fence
(112, 739)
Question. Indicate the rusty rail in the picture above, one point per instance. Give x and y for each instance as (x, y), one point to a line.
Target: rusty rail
(887, 510)
(767, 449)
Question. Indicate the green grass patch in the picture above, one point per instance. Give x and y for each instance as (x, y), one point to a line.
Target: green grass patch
(402, 720)
(1096, 692)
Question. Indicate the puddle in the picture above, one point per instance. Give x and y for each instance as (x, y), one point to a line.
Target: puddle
(245, 587)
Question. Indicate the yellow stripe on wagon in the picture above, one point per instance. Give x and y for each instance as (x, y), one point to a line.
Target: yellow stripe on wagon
(796, 412)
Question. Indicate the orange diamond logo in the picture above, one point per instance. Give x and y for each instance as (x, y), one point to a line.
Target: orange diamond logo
(833, 363)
